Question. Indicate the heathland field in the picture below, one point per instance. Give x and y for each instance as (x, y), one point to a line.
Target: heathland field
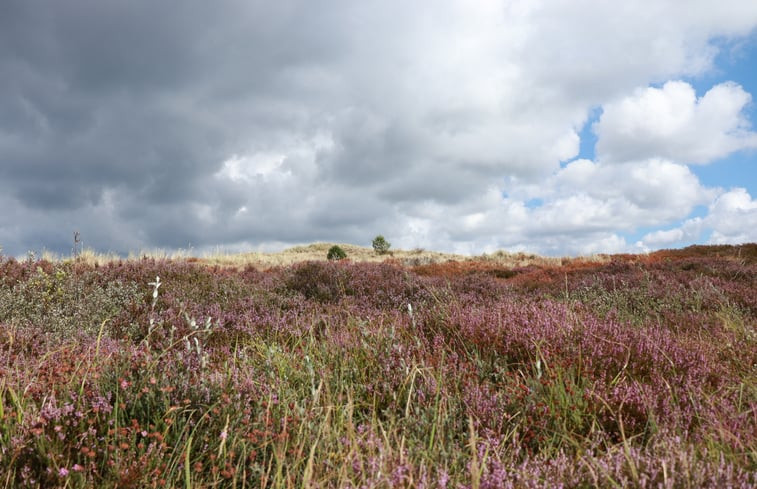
(416, 370)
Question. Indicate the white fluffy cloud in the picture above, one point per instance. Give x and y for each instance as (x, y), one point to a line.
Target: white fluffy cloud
(583, 207)
(670, 122)
(731, 219)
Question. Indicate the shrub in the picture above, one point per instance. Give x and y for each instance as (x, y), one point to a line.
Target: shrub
(381, 245)
(319, 281)
(65, 301)
(336, 253)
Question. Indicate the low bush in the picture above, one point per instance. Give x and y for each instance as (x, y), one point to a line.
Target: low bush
(318, 281)
(336, 253)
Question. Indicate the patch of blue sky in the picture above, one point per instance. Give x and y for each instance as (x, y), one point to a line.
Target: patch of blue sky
(737, 170)
(534, 203)
(633, 237)
(588, 138)
(699, 211)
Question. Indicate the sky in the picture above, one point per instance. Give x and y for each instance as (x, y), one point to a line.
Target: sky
(559, 127)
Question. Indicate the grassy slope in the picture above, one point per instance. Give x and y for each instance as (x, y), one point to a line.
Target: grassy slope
(318, 252)
(507, 370)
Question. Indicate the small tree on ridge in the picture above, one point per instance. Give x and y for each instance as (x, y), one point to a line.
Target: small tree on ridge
(381, 245)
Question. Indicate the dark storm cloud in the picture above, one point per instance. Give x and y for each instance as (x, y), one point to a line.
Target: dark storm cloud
(147, 99)
(371, 149)
(142, 102)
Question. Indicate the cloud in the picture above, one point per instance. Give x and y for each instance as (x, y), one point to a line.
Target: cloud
(256, 123)
(731, 219)
(584, 207)
(670, 122)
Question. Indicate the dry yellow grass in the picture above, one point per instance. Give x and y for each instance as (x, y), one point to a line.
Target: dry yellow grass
(416, 257)
(318, 252)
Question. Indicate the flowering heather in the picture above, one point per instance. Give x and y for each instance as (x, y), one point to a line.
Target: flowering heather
(637, 371)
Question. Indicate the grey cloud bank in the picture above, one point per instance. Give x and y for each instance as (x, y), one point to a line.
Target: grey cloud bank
(248, 124)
